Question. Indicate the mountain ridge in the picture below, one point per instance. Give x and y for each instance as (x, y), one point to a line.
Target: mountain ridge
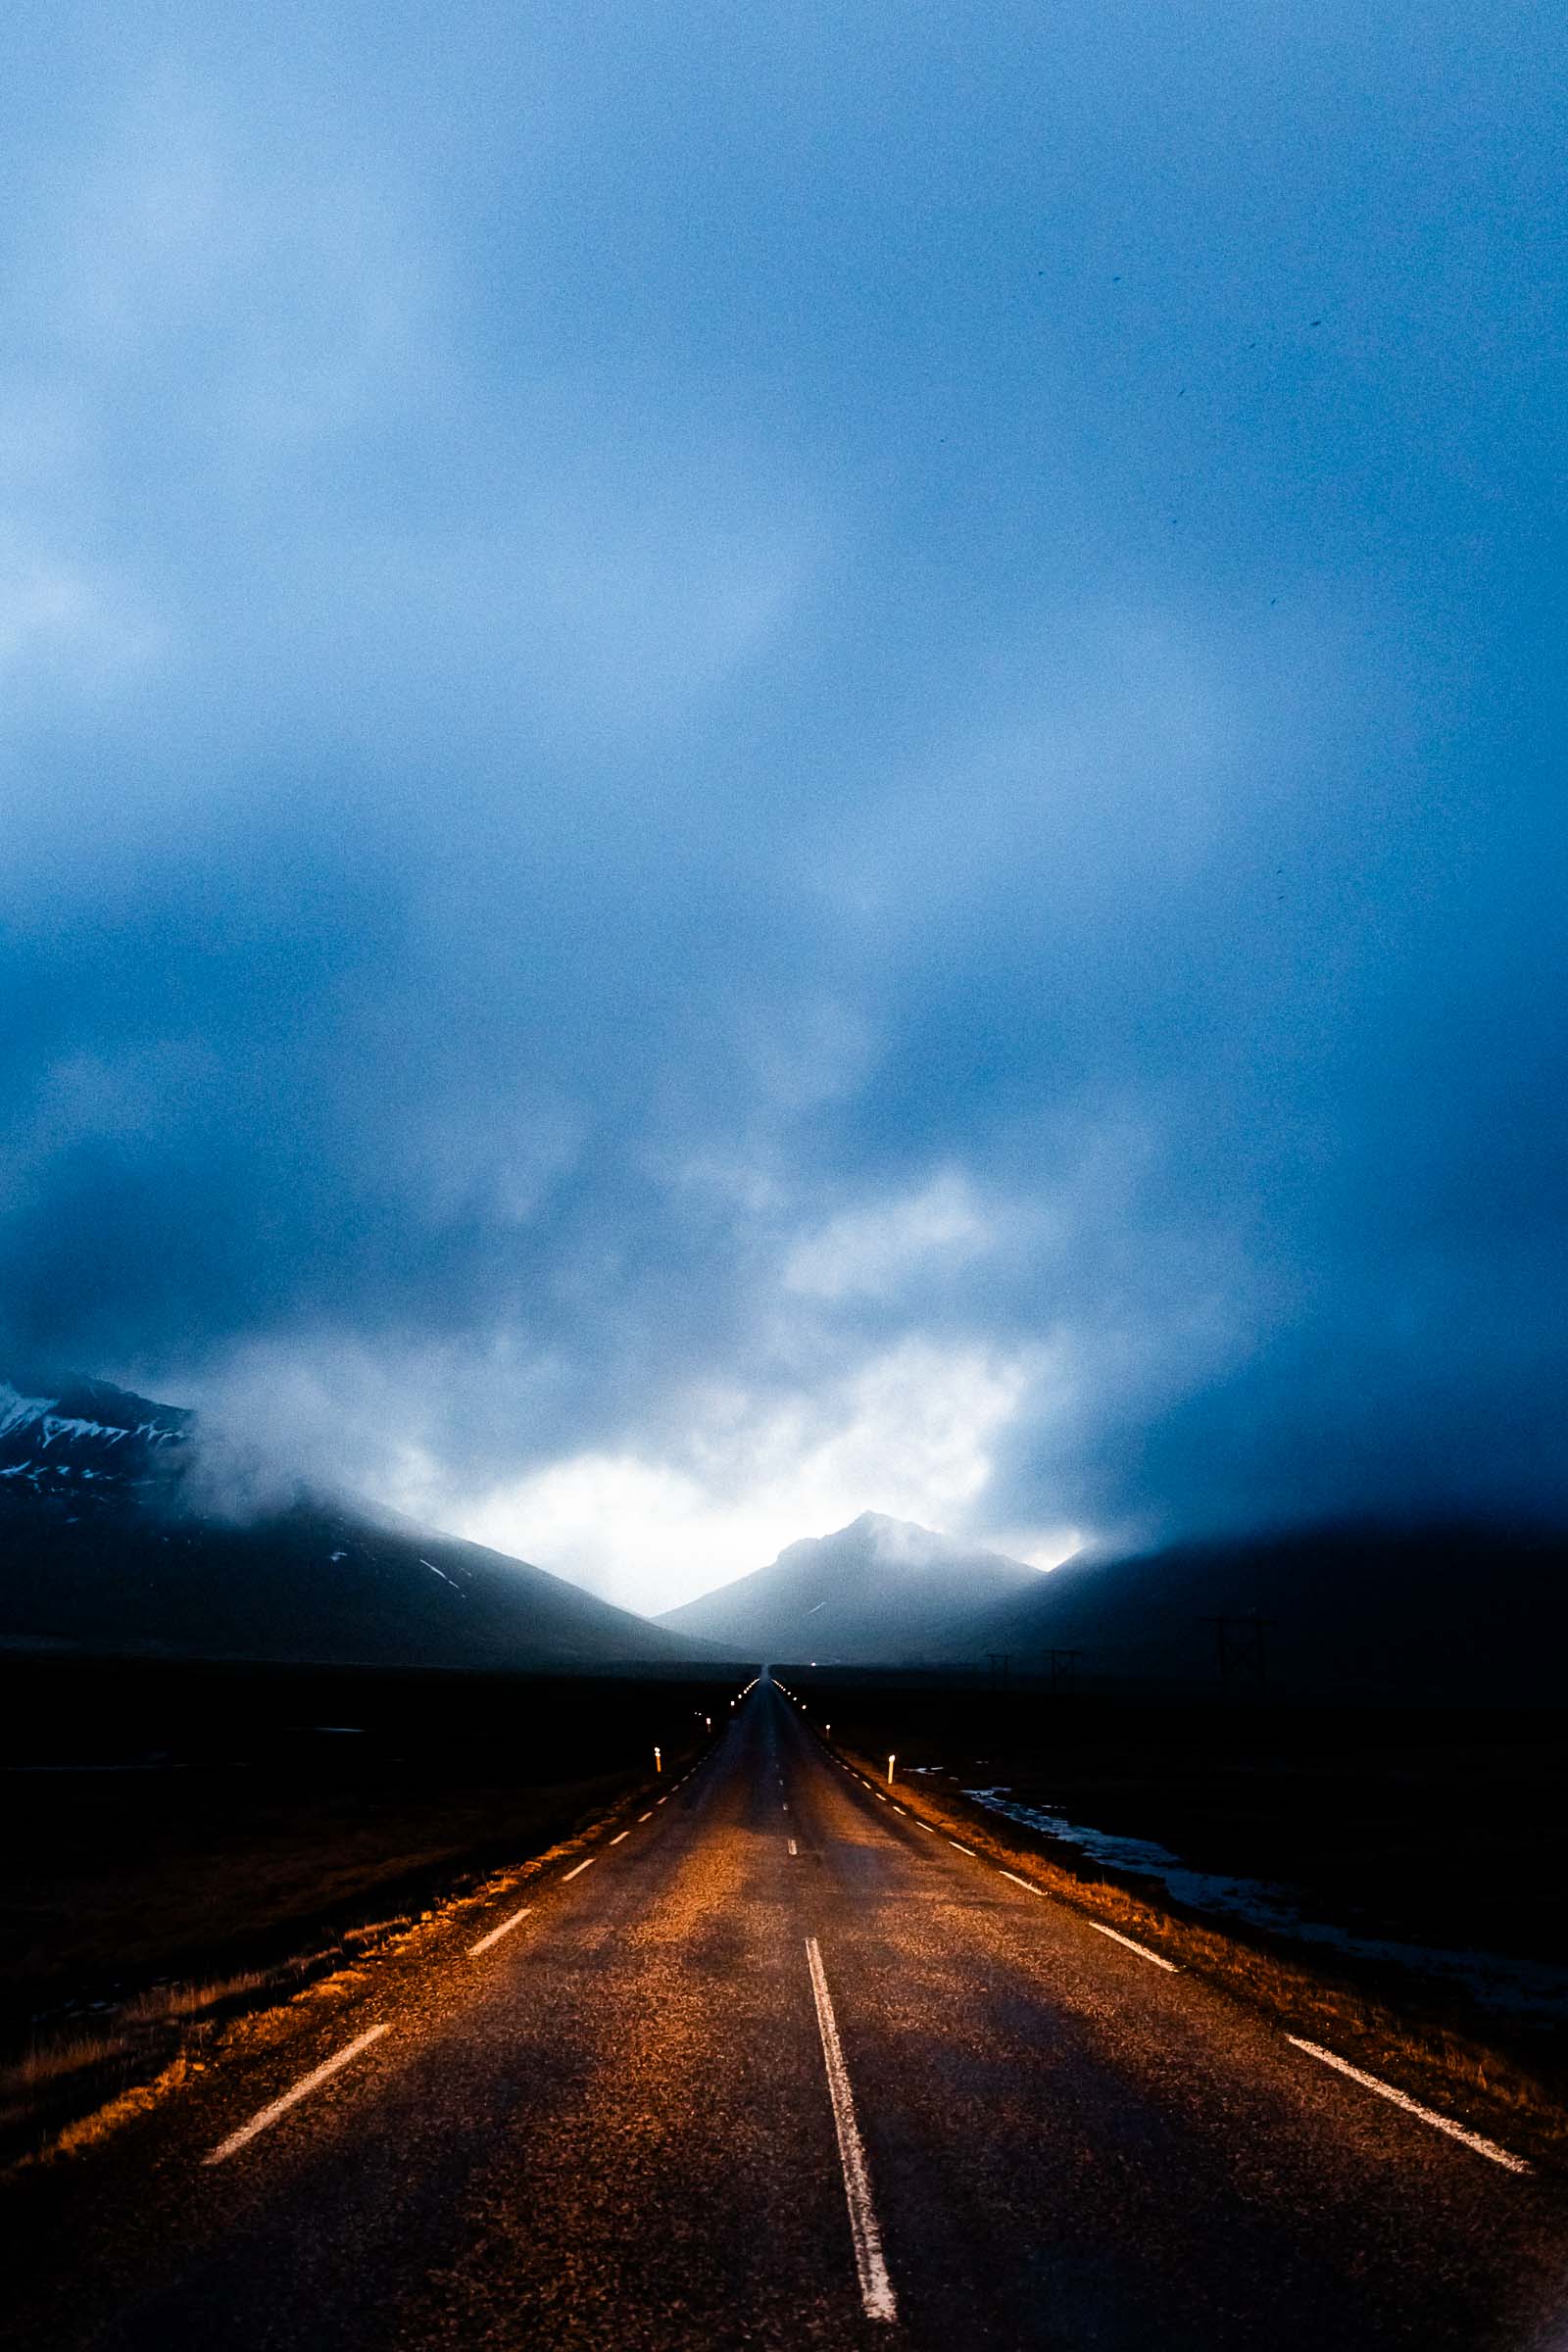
(875, 1591)
(1445, 1613)
(105, 1545)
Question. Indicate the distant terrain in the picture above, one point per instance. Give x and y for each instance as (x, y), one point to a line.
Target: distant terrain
(110, 1540)
(878, 1589)
(1444, 1615)
(128, 1529)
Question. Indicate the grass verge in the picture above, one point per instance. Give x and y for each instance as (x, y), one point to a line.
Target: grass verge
(66, 2090)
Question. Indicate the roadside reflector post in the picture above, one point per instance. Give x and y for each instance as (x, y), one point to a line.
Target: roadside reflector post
(891, 1760)
(659, 1761)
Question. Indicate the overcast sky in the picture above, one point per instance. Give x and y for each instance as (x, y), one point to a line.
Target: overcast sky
(767, 761)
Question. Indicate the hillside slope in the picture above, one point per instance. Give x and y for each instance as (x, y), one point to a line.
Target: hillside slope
(105, 1545)
(878, 1590)
(1445, 1614)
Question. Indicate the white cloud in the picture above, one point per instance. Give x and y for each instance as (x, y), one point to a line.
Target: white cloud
(870, 1251)
(912, 1433)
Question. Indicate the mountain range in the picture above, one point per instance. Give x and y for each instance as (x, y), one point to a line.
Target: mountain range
(879, 1589)
(1445, 1614)
(108, 1541)
(111, 1541)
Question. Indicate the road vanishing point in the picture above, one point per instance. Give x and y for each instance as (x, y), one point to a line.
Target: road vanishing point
(777, 2065)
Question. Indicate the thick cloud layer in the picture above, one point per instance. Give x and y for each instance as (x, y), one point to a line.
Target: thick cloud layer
(758, 765)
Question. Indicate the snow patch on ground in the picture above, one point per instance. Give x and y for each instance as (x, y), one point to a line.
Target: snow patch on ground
(16, 1411)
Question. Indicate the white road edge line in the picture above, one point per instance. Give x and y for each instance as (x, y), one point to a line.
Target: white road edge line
(496, 1933)
(581, 1867)
(961, 1849)
(876, 2288)
(290, 2098)
(1428, 2115)
(619, 1834)
(924, 1825)
(1142, 1949)
(1023, 1883)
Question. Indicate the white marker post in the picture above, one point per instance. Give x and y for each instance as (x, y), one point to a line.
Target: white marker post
(891, 1760)
(659, 1761)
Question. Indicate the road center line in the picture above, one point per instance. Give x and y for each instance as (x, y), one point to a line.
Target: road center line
(496, 1933)
(1142, 1949)
(1023, 1883)
(876, 2288)
(924, 1825)
(290, 2098)
(619, 1834)
(792, 1845)
(961, 1849)
(1428, 2115)
(648, 1816)
(581, 1867)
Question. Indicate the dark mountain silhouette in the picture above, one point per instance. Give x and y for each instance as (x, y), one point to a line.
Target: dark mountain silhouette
(1443, 1614)
(879, 1591)
(110, 1542)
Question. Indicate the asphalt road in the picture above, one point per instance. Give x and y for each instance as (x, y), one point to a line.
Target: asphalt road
(777, 2067)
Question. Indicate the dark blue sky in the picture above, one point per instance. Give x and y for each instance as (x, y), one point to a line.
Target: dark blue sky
(767, 762)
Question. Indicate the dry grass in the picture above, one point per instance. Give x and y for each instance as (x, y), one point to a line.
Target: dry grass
(68, 2091)
(88, 2130)
(1453, 2069)
(162, 2002)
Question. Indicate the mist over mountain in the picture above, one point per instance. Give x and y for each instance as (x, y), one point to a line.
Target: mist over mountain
(876, 1592)
(1448, 1614)
(123, 1530)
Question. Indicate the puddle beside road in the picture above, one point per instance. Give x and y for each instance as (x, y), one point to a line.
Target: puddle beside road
(1497, 1980)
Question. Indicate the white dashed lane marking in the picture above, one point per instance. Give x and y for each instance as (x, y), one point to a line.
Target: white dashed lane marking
(1428, 2115)
(291, 2098)
(876, 2288)
(496, 1933)
(1156, 1959)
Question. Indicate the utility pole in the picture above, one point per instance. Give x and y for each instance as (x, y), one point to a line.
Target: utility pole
(1064, 1672)
(1239, 1654)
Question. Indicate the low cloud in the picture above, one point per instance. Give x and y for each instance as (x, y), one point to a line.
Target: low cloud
(728, 804)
